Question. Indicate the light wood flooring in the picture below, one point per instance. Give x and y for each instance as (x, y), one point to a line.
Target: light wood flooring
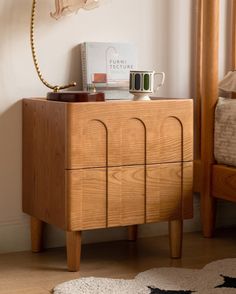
(25, 272)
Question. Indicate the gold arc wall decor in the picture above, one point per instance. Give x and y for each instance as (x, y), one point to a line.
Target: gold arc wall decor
(63, 7)
(55, 88)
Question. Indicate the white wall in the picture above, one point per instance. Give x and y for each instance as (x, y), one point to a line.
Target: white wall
(162, 31)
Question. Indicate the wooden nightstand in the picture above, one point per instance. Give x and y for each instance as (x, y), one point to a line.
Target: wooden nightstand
(107, 164)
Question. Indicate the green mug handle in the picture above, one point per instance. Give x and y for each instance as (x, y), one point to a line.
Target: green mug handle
(162, 80)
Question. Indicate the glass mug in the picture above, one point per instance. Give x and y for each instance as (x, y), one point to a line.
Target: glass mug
(141, 83)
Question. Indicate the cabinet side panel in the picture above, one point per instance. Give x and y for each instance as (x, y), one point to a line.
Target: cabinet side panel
(28, 157)
(44, 161)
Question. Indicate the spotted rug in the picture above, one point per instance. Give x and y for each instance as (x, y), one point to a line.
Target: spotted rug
(218, 277)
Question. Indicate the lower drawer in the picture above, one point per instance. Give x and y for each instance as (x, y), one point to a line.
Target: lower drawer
(127, 195)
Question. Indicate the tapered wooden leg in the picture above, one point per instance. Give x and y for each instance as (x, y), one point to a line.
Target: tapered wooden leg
(175, 237)
(132, 233)
(36, 234)
(208, 215)
(73, 247)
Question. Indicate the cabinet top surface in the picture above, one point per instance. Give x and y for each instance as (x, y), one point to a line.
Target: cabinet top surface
(109, 102)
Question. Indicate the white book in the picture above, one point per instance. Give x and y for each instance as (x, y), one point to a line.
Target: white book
(106, 67)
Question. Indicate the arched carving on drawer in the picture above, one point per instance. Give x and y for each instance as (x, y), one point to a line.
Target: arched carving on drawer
(95, 142)
(171, 140)
(133, 143)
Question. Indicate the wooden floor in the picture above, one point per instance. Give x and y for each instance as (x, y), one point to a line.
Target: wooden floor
(25, 272)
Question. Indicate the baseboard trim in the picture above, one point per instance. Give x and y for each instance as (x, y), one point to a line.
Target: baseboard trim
(14, 236)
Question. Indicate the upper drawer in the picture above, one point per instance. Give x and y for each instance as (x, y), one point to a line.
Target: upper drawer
(126, 133)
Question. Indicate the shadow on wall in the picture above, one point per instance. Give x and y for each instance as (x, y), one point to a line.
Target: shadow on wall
(75, 67)
(10, 163)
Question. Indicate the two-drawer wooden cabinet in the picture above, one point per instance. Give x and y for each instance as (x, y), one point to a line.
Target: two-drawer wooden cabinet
(107, 164)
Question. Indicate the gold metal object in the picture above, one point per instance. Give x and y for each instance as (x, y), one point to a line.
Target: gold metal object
(36, 64)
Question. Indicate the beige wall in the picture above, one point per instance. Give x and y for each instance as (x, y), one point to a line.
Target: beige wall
(162, 31)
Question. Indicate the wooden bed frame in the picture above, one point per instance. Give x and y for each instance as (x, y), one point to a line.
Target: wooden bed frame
(212, 180)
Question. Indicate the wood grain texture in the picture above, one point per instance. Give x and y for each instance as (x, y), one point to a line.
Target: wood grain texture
(169, 192)
(98, 134)
(233, 40)
(133, 142)
(129, 195)
(171, 140)
(210, 94)
(44, 161)
(132, 233)
(36, 234)
(95, 142)
(175, 238)
(197, 176)
(199, 80)
(126, 195)
(164, 192)
(73, 248)
(107, 164)
(126, 122)
(86, 199)
(187, 190)
(224, 182)
(98, 198)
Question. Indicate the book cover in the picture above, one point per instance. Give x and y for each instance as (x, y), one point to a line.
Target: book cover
(106, 66)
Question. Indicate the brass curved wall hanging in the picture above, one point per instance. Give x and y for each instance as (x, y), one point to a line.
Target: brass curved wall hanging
(55, 88)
